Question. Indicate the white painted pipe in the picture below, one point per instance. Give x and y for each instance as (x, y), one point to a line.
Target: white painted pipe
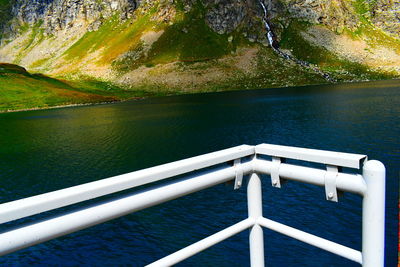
(373, 223)
(33, 205)
(353, 183)
(332, 158)
(203, 244)
(256, 238)
(313, 240)
(43, 231)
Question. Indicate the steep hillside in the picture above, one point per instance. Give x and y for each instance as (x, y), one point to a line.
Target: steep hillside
(22, 90)
(178, 46)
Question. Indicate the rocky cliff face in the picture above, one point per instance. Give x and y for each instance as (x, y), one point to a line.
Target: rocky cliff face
(56, 15)
(334, 14)
(339, 15)
(222, 16)
(386, 15)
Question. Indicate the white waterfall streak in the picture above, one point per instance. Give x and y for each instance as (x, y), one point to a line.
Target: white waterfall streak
(270, 34)
(274, 45)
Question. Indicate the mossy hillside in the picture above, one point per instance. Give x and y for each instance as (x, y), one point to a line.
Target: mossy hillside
(366, 29)
(341, 69)
(22, 90)
(35, 36)
(374, 36)
(267, 70)
(114, 37)
(187, 39)
(271, 71)
(40, 63)
(87, 84)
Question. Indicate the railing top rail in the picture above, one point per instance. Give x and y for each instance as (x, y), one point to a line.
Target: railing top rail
(312, 155)
(37, 204)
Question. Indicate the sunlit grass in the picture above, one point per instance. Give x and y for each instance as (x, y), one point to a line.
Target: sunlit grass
(22, 90)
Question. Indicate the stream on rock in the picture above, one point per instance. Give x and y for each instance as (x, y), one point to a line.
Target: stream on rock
(273, 42)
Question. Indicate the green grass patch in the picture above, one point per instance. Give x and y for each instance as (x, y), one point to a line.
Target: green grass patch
(35, 36)
(22, 90)
(39, 63)
(24, 28)
(376, 37)
(189, 39)
(108, 89)
(361, 7)
(114, 37)
(93, 40)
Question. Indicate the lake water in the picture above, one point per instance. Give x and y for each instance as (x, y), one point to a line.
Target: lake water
(42, 151)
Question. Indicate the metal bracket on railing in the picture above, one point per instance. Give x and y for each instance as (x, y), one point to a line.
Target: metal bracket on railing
(275, 179)
(330, 183)
(239, 174)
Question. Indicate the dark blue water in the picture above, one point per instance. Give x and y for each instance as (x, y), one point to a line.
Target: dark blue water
(41, 151)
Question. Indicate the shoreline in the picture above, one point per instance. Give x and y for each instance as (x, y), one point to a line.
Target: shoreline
(69, 105)
(178, 93)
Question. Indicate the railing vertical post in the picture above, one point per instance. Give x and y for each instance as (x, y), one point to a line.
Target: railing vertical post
(373, 228)
(254, 199)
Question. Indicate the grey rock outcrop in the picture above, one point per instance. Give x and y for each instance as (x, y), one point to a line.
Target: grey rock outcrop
(225, 16)
(339, 15)
(334, 14)
(54, 15)
(386, 15)
(222, 16)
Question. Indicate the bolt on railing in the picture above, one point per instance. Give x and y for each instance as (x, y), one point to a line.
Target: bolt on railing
(370, 185)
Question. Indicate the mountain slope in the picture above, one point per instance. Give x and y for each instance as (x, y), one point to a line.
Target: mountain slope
(165, 46)
(22, 90)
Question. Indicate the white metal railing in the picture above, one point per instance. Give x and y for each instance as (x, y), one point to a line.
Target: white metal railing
(244, 160)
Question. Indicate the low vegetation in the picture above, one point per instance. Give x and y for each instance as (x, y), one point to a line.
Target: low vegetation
(341, 69)
(22, 90)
